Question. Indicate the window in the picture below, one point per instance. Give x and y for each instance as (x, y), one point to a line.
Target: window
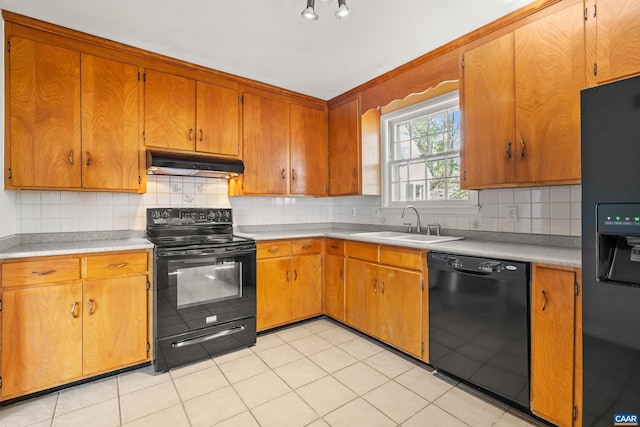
(421, 160)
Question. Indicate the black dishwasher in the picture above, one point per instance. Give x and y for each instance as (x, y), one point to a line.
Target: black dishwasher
(479, 322)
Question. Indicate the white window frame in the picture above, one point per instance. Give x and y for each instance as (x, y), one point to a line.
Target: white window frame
(387, 122)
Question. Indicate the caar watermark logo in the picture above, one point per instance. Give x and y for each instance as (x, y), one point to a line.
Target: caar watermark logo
(625, 420)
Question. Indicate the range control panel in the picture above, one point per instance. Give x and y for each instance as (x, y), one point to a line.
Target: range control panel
(618, 218)
(187, 216)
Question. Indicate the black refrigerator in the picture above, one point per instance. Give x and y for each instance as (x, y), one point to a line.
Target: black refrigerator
(610, 132)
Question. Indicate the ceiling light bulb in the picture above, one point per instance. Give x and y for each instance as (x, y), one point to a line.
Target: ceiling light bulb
(343, 10)
(308, 12)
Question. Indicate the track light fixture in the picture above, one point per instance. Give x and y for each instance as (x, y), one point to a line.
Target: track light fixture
(310, 13)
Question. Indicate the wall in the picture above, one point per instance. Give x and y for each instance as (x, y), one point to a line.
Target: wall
(542, 210)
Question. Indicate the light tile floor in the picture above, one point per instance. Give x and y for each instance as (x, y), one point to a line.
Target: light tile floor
(314, 374)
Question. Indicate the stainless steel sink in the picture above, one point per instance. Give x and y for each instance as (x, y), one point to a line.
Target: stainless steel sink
(407, 237)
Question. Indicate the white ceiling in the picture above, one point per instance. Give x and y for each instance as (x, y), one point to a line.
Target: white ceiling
(268, 40)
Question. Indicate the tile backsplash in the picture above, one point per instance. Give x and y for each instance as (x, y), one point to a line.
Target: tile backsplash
(541, 210)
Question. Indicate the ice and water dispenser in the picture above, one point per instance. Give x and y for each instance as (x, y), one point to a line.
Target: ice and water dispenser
(618, 233)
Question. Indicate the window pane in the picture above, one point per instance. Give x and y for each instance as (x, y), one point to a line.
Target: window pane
(454, 192)
(401, 173)
(454, 142)
(437, 143)
(417, 171)
(436, 169)
(420, 127)
(453, 166)
(437, 124)
(403, 132)
(436, 189)
(402, 150)
(420, 147)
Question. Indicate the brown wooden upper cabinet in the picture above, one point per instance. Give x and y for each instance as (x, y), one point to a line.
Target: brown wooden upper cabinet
(285, 146)
(521, 104)
(344, 149)
(185, 114)
(613, 37)
(49, 97)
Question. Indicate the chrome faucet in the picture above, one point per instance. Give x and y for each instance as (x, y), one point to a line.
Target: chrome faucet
(418, 226)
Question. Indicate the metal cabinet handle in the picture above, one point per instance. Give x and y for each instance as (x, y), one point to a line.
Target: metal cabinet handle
(88, 158)
(288, 275)
(122, 264)
(201, 135)
(43, 273)
(524, 149)
(283, 174)
(355, 172)
(334, 246)
(544, 300)
(274, 249)
(293, 174)
(71, 153)
(74, 312)
(383, 286)
(341, 275)
(509, 150)
(191, 134)
(295, 274)
(375, 285)
(307, 247)
(92, 307)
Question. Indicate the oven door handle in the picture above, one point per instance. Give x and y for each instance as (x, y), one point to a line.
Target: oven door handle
(206, 338)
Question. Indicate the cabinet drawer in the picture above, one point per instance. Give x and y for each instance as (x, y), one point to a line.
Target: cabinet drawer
(116, 264)
(365, 251)
(274, 249)
(40, 271)
(400, 257)
(335, 247)
(306, 246)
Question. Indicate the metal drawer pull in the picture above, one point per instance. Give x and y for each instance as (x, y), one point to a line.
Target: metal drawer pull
(334, 246)
(92, 307)
(375, 285)
(383, 286)
(283, 174)
(341, 275)
(191, 134)
(122, 264)
(274, 249)
(288, 275)
(544, 300)
(524, 149)
(307, 246)
(43, 273)
(295, 274)
(293, 174)
(71, 157)
(73, 309)
(88, 159)
(509, 150)
(201, 135)
(206, 338)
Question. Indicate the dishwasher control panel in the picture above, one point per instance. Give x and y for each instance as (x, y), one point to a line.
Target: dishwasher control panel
(474, 264)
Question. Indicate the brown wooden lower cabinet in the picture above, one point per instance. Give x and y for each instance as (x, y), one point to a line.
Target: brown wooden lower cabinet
(385, 296)
(56, 330)
(288, 281)
(556, 344)
(334, 279)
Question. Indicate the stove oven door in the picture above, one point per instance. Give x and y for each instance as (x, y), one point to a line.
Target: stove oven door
(198, 293)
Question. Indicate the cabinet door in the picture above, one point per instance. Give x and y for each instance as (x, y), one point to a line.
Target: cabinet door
(110, 132)
(218, 120)
(266, 145)
(308, 148)
(169, 111)
(617, 38)
(344, 149)
(306, 286)
(44, 115)
(41, 337)
(488, 150)
(334, 287)
(549, 70)
(401, 309)
(273, 277)
(115, 323)
(553, 315)
(362, 296)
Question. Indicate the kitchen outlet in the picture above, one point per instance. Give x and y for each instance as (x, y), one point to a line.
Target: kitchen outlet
(511, 214)
(375, 212)
(353, 212)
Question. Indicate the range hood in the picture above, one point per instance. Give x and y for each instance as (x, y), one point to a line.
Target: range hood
(160, 163)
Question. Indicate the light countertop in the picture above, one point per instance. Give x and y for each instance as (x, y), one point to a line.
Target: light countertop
(546, 254)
